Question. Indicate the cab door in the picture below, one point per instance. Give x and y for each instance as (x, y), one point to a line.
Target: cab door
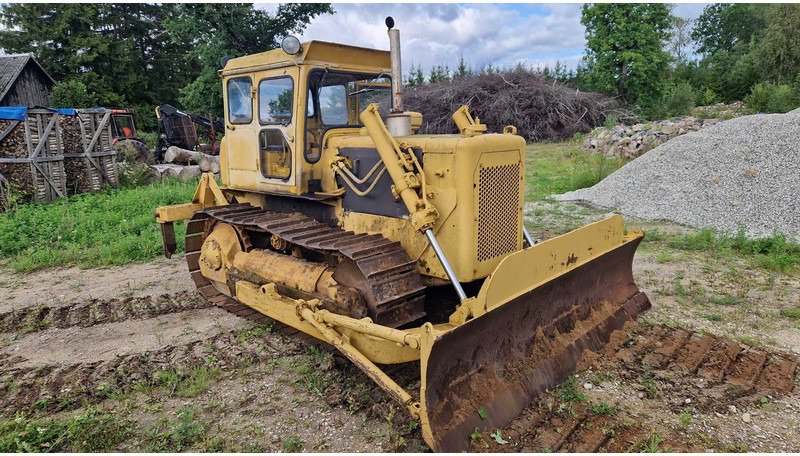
(276, 126)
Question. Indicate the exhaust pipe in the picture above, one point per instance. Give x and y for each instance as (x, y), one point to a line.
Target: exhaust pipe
(398, 122)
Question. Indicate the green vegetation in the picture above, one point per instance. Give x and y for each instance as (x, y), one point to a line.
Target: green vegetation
(603, 409)
(92, 431)
(685, 417)
(568, 391)
(176, 435)
(774, 252)
(189, 384)
(791, 313)
(652, 444)
(109, 228)
(293, 444)
(558, 167)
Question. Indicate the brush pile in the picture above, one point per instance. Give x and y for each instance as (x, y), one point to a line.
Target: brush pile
(540, 108)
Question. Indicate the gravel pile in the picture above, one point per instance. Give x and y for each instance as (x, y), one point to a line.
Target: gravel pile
(743, 172)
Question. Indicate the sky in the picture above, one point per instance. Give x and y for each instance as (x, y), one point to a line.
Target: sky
(489, 33)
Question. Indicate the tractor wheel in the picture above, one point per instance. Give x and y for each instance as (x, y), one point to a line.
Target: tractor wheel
(133, 151)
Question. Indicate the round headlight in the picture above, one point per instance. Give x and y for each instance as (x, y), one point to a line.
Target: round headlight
(291, 45)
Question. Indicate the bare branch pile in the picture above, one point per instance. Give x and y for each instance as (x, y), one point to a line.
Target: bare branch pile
(540, 108)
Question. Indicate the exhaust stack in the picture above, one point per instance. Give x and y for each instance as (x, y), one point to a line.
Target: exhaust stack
(398, 122)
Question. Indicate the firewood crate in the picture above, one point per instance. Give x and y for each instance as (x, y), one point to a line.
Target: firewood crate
(32, 154)
(89, 160)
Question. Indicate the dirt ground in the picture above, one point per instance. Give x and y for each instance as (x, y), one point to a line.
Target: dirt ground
(139, 342)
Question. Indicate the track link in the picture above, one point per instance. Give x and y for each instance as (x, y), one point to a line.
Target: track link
(392, 276)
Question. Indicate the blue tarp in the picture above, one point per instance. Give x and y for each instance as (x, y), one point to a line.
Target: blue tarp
(18, 112)
(13, 112)
(65, 111)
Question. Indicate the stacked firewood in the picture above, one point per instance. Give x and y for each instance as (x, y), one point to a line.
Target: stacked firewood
(14, 145)
(77, 180)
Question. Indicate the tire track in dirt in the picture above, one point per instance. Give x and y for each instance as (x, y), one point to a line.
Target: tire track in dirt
(55, 387)
(98, 311)
(716, 372)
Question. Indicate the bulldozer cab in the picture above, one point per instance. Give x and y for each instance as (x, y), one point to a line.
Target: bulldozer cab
(284, 106)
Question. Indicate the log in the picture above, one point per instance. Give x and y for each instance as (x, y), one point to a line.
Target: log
(167, 170)
(189, 172)
(207, 165)
(180, 156)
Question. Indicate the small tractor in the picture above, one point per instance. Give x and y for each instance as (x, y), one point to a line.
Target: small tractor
(124, 137)
(336, 218)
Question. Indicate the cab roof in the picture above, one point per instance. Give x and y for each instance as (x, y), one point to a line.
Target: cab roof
(313, 53)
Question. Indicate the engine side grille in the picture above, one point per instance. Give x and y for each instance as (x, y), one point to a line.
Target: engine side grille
(498, 210)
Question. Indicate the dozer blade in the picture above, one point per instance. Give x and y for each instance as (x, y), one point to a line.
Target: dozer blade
(579, 290)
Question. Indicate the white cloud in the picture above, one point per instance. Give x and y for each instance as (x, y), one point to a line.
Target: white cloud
(439, 33)
(433, 34)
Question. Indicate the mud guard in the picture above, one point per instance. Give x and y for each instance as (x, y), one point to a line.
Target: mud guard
(500, 361)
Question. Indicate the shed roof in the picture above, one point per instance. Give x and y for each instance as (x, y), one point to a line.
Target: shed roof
(10, 68)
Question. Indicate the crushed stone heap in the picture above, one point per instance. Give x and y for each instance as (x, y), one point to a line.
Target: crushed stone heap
(743, 172)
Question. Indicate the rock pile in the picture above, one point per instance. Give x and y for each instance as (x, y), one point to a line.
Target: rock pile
(632, 141)
(740, 173)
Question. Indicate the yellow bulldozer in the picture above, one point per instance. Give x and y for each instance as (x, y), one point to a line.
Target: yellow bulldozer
(336, 218)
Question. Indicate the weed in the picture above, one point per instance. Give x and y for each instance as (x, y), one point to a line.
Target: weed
(92, 431)
(293, 444)
(650, 389)
(685, 417)
(663, 257)
(197, 381)
(568, 391)
(652, 444)
(497, 435)
(792, 313)
(603, 409)
(176, 435)
(749, 341)
(600, 377)
(714, 317)
(256, 331)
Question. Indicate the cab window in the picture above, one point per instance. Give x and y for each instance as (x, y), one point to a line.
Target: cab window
(240, 105)
(275, 101)
(333, 104)
(275, 156)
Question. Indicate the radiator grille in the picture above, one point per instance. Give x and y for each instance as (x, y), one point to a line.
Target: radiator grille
(498, 210)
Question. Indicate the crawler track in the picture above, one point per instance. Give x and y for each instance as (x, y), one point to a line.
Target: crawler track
(392, 275)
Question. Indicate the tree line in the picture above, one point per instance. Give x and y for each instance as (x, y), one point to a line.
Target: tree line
(142, 55)
(663, 65)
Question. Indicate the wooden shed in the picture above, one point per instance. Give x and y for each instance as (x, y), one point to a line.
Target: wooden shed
(23, 82)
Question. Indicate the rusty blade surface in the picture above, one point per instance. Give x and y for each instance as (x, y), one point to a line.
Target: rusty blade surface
(501, 361)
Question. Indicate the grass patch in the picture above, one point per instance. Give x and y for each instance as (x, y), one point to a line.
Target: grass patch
(685, 417)
(774, 252)
(652, 444)
(293, 444)
(112, 227)
(568, 391)
(176, 435)
(792, 313)
(603, 409)
(92, 431)
(558, 167)
(190, 384)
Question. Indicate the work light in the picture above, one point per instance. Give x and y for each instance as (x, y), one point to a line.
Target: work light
(291, 45)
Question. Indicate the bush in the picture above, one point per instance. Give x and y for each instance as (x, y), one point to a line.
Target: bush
(71, 94)
(679, 100)
(767, 97)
